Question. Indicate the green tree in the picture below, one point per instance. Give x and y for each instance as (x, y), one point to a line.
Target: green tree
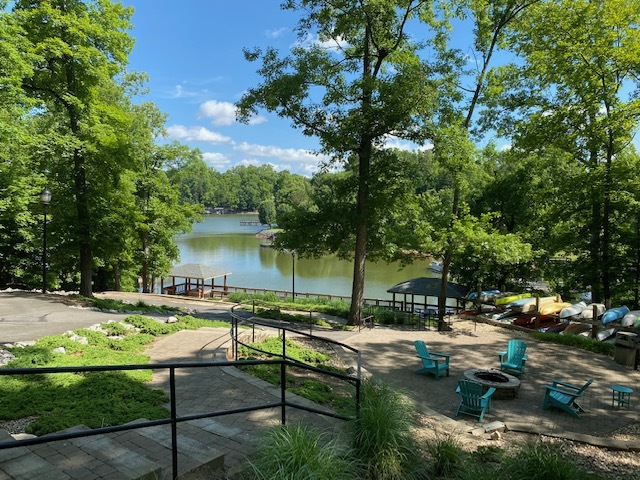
(491, 19)
(20, 174)
(370, 85)
(82, 49)
(576, 91)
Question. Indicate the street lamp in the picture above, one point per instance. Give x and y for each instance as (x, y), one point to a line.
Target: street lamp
(293, 276)
(45, 199)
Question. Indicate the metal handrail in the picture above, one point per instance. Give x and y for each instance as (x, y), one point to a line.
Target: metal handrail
(237, 320)
(174, 419)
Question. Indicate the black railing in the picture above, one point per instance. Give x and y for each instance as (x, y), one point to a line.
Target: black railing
(239, 317)
(174, 419)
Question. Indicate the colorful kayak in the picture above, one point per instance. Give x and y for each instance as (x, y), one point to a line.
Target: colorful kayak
(511, 298)
(629, 319)
(587, 313)
(483, 295)
(529, 320)
(573, 310)
(614, 314)
(606, 334)
(553, 307)
(576, 328)
(527, 305)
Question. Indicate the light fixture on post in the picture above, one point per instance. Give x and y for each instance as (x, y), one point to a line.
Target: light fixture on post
(45, 199)
(293, 276)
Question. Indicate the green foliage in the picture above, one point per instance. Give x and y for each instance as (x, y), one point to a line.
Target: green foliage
(448, 458)
(381, 436)
(95, 399)
(299, 453)
(576, 341)
(314, 390)
(273, 345)
(542, 461)
(120, 306)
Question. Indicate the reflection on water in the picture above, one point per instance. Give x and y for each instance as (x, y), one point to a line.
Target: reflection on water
(221, 241)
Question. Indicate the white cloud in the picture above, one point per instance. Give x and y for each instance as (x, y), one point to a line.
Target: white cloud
(195, 134)
(221, 113)
(217, 160)
(327, 44)
(224, 113)
(277, 33)
(281, 154)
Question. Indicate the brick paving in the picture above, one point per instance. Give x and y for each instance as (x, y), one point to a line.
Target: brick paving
(388, 354)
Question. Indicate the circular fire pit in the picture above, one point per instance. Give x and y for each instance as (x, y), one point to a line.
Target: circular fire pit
(507, 386)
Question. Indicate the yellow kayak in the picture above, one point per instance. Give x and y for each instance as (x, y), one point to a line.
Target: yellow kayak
(553, 307)
(511, 298)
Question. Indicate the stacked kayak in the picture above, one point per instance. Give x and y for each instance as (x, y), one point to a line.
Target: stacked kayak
(553, 307)
(614, 314)
(587, 313)
(631, 319)
(573, 310)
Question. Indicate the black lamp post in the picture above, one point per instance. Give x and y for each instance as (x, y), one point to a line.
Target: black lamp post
(45, 199)
(293, 276)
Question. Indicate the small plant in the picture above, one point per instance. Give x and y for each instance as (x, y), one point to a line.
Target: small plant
(115, 328)
(299, 453)
(315, 391)
(448, 457)
(576, 341)
(542, 461)
(382, 440)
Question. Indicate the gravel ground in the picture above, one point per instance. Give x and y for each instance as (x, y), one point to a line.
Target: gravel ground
(607, 464)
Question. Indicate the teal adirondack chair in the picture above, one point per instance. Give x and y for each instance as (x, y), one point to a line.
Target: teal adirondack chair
(563, 395)
(513, 359)
(473, 402)
(432, 362)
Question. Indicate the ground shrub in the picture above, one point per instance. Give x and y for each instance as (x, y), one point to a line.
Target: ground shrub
(299, 452)
(541, 461)
(381, 435)
(576, 341)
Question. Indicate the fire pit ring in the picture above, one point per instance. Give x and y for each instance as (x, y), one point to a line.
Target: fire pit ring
(507, 386)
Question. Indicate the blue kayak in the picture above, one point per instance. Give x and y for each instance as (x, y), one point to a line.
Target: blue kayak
(614, 314)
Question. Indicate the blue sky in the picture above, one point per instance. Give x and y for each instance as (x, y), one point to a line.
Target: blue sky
(192, 52)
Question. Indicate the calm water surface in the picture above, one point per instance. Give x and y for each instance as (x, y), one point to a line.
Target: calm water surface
(221, 242)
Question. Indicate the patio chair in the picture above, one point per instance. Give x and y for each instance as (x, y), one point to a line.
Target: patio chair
(432, 362)
(563, 395)
(473, 402)
(513, 359)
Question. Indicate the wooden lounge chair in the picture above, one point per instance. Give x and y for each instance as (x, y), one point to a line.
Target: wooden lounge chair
(473, 402)
(432, 362)
(513, 359)
(563, 395)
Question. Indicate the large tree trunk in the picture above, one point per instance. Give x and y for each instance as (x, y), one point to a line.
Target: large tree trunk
(606, 231)
(595, 237)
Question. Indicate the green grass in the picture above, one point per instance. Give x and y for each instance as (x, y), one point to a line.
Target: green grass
(94, 399)
(336, 394)
(120, 306)
(576, 341)
(299, 453)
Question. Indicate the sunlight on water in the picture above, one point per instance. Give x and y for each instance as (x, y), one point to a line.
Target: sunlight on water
(221, 241)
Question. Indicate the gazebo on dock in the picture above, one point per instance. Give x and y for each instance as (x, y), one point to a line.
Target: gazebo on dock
(193, 279)
(427, 287)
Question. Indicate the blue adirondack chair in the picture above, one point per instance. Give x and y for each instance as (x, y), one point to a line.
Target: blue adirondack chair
(432, 362)
(512, 360)
(473, 402)
(563, 395)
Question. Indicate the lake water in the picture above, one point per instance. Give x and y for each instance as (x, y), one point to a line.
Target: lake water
(220, 241)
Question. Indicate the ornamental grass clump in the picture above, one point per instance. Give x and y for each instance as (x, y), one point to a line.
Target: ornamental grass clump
(296, 452)
(542, 461)
(383, 444)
